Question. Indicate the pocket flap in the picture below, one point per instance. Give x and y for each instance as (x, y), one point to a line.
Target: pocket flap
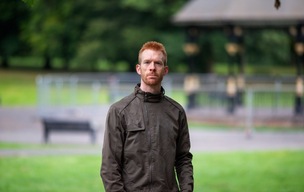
(134, 127)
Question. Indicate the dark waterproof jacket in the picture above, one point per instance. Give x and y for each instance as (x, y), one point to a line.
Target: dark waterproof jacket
(146, 140)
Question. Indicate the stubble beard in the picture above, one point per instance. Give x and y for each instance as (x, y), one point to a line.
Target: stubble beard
(153, 82)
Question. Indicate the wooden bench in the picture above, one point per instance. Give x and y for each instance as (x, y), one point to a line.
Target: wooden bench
(60, 125)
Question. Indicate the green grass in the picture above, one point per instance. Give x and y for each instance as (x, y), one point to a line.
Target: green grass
(250, 171)
(272, 171)
(50, 174)
(17, 88)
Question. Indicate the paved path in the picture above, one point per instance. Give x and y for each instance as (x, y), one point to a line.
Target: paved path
(22, 125)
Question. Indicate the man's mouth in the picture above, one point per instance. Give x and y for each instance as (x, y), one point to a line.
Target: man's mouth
(152, 75)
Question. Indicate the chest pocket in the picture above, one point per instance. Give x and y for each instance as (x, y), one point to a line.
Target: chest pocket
(135, 130)
(135, 127)
(134, 121)
(135, 137)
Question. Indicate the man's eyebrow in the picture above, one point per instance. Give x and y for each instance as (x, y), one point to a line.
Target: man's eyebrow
(149, 60)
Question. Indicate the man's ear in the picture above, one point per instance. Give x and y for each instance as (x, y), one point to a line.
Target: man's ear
(166, 70)
(138, 69)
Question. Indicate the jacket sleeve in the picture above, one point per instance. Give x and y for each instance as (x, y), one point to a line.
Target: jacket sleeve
(183, 163)
(111, 166)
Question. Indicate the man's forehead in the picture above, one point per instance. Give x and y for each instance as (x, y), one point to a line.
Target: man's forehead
(149, 53)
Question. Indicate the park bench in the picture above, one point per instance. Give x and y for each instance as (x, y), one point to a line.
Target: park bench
(62, 125)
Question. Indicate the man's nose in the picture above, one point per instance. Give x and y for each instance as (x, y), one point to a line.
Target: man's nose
(152, 66)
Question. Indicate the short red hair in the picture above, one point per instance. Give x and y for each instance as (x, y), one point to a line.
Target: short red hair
(155, 46)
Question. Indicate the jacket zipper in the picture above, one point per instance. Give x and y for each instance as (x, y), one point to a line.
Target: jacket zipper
(146, 120)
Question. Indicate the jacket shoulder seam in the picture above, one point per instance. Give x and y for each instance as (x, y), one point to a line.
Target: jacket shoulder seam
(124, 102)
(174, 103)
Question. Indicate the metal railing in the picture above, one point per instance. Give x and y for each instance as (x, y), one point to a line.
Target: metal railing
(62, 94)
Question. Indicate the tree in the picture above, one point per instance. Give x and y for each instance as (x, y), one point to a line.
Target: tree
(98, 31)
(267, 47)
(116, 29)
(55, 28)
(13, 14)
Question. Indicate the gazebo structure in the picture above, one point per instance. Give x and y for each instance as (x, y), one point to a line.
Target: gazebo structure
(234, 16)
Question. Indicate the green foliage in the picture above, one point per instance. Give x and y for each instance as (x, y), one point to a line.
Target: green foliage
(173, 42)
(54, 28)
(14, 13)
(29, 2)
(212, 50)
(268, 47)
(83, 35)
(257, 69)
(99, 30)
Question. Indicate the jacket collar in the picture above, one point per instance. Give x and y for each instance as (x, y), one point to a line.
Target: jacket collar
(149, 97)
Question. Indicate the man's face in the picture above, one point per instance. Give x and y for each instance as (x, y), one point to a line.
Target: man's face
(152, 68)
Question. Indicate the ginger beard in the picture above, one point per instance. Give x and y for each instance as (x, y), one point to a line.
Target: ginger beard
(152, 68)
(152, 79)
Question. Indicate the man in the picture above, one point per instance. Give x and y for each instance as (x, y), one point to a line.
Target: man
(146, 142)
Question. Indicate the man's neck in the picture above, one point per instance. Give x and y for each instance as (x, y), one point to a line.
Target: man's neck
(150, 89)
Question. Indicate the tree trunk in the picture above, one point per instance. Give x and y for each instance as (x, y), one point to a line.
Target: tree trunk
(66, 64)
(5, 63)
(47, 62)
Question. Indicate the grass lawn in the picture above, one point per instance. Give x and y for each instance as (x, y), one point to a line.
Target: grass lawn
(17, 88)
(275, 171)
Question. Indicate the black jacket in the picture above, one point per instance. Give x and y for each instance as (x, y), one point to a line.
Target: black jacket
(146, 145)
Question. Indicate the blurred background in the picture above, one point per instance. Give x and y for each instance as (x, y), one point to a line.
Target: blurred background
(236, 66)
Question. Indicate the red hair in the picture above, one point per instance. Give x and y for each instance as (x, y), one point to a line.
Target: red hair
(155, 46)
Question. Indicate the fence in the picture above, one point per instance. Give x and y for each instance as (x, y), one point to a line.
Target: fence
(86, 89)
(82, 95)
